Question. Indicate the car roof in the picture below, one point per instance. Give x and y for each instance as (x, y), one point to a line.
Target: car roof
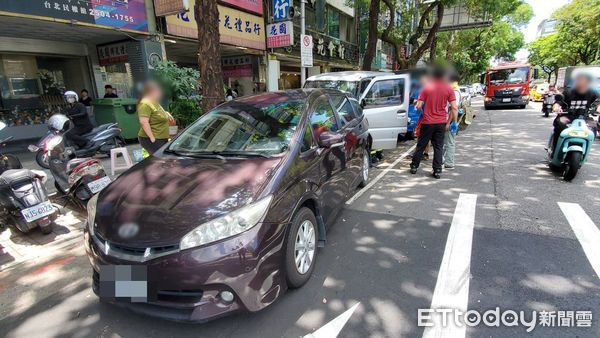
(346, 76)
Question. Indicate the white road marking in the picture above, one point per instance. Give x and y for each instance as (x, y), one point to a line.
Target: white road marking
(452, 286)
(586, 232)
(334, 327)
(381, 174)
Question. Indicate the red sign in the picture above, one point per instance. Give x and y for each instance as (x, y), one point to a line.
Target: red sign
(254, 6)
(237, 71)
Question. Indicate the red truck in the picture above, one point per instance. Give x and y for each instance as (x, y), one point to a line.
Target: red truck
(507, 85)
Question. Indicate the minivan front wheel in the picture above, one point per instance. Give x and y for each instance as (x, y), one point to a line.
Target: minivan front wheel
(301, 248)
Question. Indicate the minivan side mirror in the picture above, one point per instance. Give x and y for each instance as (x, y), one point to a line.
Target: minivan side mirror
(330, 139)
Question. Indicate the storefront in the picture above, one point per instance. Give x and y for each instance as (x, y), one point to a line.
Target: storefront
(47, 48)
(333, 29)
(242, 43)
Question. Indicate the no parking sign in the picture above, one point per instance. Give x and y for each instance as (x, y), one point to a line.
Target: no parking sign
(306, 50)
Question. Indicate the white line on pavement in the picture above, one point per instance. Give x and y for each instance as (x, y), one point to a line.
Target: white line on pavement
(452, 286)
(383, 173)
(334, 327)
(586, 232)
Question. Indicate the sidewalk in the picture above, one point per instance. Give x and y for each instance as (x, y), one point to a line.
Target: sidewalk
(17, 247)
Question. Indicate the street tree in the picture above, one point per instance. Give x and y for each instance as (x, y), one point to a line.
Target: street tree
(578, 30)
(471, 50)
(209, 56)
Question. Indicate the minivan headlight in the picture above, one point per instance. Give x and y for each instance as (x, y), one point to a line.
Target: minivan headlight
(228, 225)
(91, 211)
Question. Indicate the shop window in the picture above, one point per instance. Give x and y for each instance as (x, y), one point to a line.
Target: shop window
(310, 19)
(333, 22)
(385, 93)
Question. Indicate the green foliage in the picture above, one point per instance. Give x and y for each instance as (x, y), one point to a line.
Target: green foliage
(576, 40)
(181, 87)
(471, 50)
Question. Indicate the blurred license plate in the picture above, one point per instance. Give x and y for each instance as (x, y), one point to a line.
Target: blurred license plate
(38, 211)
(99, 184)
(506, 99)
(125, 282)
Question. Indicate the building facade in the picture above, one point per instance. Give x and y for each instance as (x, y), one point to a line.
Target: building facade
(49, 47)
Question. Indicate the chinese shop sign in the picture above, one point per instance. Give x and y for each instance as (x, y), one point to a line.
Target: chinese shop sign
(236, 28)
(281, 9)
(124, 14)
(254, 6)
(280, 34)
(113, 53)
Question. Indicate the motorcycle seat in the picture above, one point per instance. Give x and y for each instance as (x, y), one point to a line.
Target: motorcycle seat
(13, 176)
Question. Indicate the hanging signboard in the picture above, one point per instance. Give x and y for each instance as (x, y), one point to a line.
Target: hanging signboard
(254, 6)
(306, 50)
(168, 7)
(123, 14)
(236, 28)
(280, 34)
(282, 10)
(113, 53)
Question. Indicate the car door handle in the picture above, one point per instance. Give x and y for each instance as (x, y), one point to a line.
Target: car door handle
(401, 112)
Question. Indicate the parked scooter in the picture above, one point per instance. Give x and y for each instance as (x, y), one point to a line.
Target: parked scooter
(77, 179)
(100, 141)
(23, 197)
(574, 143)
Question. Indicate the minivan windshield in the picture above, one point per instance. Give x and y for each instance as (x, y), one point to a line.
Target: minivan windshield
(246, 127)
(351, 87)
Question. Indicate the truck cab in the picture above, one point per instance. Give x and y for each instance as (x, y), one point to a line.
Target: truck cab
(384, 97)
(507, 85)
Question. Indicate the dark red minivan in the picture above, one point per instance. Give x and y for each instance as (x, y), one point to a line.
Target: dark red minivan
(229, 214)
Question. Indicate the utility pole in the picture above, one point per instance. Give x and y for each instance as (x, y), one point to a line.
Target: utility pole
(302, 32)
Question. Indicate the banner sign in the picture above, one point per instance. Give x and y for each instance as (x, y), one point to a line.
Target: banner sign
(281, 9)
(168, 7)
(237, 28)
(280, 34)
(236, 60)
(113, 53)
(306, 50)
(124, 14)
(237, 71)
(254, 6)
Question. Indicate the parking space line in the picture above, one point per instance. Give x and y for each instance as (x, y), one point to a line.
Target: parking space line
(452, 286)
(586, 232)
(381, 174)
(334, 327)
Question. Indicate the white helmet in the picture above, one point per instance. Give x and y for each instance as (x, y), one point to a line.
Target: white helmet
(71, 96)
(59, 122)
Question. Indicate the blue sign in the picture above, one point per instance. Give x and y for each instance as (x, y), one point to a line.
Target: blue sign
(281, 9)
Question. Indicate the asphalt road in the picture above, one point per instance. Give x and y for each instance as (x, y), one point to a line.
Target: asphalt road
(401, 246)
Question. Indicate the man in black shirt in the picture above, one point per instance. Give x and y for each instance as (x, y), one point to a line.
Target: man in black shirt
(82, 125)
(579, 98)
(85, 98)
(109, 93)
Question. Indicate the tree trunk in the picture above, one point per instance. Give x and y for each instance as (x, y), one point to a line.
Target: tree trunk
(209, 55)
(371, 47)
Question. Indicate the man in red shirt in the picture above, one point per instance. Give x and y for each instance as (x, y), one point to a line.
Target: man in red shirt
(436, 96)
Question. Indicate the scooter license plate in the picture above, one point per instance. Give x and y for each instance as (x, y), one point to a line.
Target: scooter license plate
(506, 99)
(36, 212)
(99, 184)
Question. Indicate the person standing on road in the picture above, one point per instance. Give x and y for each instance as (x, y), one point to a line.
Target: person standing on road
(436, 96)
(450, 135)
(154, 120)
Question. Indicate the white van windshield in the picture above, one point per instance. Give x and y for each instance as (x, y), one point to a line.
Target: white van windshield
(351, 87)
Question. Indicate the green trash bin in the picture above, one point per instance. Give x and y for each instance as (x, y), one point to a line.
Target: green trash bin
(120, 111)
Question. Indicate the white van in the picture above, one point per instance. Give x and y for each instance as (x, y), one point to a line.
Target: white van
(384, 96)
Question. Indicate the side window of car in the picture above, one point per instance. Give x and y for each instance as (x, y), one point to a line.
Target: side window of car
(343, 107)
(307, 140)
(323, 118)
(385, 93)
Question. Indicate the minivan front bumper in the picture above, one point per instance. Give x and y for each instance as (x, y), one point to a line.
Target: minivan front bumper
(188, 285)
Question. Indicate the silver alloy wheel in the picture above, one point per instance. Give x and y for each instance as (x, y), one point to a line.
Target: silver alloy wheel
(304, 248)
(365, 168)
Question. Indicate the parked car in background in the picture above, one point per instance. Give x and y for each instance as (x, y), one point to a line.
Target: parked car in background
(478, 89)
(229, 214)
(466, 94)
(384, 97)
(538, 91)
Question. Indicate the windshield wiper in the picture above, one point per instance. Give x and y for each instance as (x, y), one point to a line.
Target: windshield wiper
(196, 154)
(241, 153)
